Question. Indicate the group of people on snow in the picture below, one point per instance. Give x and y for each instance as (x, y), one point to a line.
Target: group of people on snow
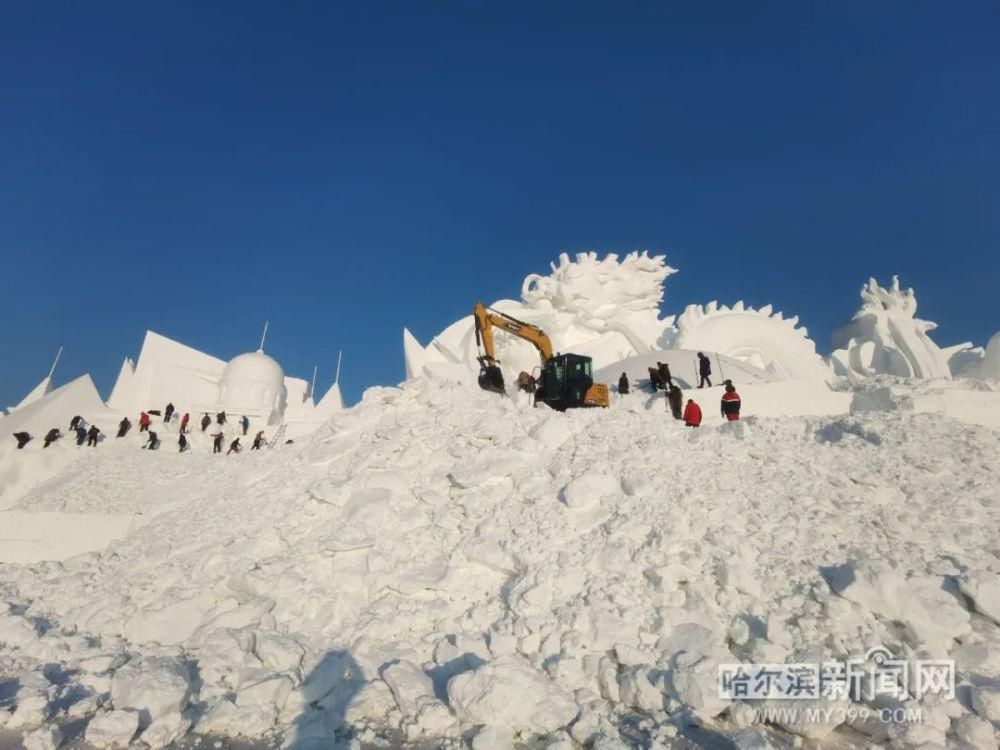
(660, 378)
(92, 435)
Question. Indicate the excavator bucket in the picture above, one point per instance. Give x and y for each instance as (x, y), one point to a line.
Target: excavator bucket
(491, 379)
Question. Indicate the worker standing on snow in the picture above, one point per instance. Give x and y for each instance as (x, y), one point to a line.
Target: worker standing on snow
(221, 417)
(623, 384)
(234, 447)
(92, 434)
(654, 378)
(182, 441)
(144, 421)
(704, 371)
(22, 438)
(731, 402)
(184, 422)
(51, 436)
(154, 441)
(692, 414)
(665, 377)
(217, 442)
(81, 434)
(205, 422)
(675, 400)
(258, 441)
(74, 423)
(123, 427)
(168, 413)
(245, 423)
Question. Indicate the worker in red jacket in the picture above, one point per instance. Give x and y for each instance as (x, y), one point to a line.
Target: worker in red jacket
(692, 414)
(731, 402)
(144, 422)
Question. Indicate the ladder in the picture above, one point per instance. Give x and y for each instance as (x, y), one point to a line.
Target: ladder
(278, 436)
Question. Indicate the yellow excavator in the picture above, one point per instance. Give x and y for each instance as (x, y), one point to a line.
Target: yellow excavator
(565, 381)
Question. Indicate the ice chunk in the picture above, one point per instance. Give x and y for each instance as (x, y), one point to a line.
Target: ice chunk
(151, 688)
(112, 728)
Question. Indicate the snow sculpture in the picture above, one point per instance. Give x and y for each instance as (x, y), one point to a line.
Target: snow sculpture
(606, 308)
(253, 384)
(760, 338)
(886, 337)
(979, 363)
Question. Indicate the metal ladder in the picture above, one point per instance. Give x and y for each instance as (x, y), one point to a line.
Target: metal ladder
(278, 436)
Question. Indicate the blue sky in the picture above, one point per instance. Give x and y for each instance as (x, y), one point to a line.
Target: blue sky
(345, 169)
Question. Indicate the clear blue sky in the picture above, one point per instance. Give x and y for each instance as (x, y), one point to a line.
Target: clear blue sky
(345, 169)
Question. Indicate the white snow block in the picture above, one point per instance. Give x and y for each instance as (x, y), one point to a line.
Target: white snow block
(590, 488)
(43, 738)
(279, 653)
(165, 730)
(270, 691)
(975, 732)
(984, 590)
(113, 728)
(986, 702)
(509, 691)
(31, 712)
(151, 687)
(410, 686)
(493, 737)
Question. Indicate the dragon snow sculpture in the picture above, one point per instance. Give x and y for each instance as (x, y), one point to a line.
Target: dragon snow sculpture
(886, 337)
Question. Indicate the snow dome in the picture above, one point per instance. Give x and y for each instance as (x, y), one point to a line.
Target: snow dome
(253, 384)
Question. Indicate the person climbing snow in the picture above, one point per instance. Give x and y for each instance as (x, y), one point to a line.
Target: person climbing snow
(205, 422)
(245, 423)
(258, 441)
(182, 441)
(675, 400)
(217, 442)
(81, 434)
(144, 421)
(623, 383)
(731, 402)
(234, 447)
(154, 441)
(123, 427)
(221, 417)
(168, 413)
(92, 434)
(692, 414)
(654, 378)
(22, 438)
(75, 422)
(51, 436)
(704, 371)
(184, 422)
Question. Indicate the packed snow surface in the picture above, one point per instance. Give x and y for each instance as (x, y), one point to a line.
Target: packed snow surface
(439, 562)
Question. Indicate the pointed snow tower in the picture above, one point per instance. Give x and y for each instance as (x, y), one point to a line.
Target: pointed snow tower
(332, 400)
(40, 390)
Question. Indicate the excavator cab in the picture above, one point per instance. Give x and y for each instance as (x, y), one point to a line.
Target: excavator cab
(567, 382)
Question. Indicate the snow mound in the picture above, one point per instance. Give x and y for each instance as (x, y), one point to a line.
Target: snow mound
(439, 562)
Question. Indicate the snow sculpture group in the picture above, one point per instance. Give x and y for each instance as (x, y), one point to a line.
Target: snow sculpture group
(439, 564)
(609, 309)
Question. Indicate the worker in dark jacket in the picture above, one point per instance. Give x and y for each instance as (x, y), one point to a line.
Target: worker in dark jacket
(675, 400)
(692, 414)
(665, 377)
(182, 441)
(217, 442)
(623, 383)
(51, 436)
(704, 371)
(654, 378)
(205, 422)
(258, 441)
(221, 417)
(731, 403)
(81, 434)
(168, 412)
(154, 441)
(92, 434)
(245, 423)
(234, 447)
(22, 438)
(123, 427)
(74, 423)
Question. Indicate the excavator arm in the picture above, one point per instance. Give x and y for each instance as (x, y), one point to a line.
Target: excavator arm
(486, 320)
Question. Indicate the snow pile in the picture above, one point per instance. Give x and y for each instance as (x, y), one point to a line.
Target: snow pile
(440, 562)
(886, 337)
